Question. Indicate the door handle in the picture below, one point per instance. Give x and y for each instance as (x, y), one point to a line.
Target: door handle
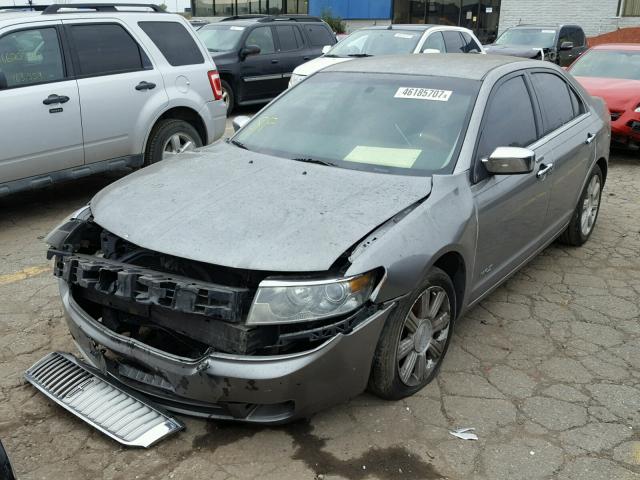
(53, 98)
(590, 138)
(145, 86)
(275, 61)
(544, 169)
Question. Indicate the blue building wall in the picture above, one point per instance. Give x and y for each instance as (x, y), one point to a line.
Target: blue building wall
(353, 9)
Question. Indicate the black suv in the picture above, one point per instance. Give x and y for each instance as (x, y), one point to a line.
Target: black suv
(255, 54)
(560, 44)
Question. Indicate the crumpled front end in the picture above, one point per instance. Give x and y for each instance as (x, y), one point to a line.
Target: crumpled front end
(177, 331)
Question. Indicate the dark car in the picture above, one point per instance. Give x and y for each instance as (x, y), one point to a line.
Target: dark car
(256, 54)
(560, 44)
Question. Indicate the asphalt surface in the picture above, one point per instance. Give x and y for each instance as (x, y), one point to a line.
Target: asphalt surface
(547, 371)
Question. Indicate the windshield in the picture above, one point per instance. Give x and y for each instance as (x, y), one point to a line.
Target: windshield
(376, 42)
(608, 64)
(401, 124)
(530, 37)
(220, 38)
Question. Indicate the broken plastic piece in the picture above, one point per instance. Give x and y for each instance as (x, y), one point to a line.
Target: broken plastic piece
(464, 433)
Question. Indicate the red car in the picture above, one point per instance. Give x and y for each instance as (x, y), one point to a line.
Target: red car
(612, 72)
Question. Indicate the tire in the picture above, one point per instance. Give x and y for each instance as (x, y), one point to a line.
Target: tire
(227, 92)
(158, 146)
(392, 378)
(578, 233)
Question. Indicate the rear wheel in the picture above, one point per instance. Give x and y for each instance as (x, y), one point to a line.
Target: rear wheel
(586, 212)
(228, 97)
(170, 138)
(415, 339)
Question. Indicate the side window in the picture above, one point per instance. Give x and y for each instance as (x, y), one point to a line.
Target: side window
(287, 38)
(263, 38)
(577, 37)
(470, 45)
(565, 36)
(578, 106)
(436, 42)
(555, 102)
(509, 120)
(174, 41)
(105, 49)
(299, 37)
(29, 57)
(319, 35)
(453, 40)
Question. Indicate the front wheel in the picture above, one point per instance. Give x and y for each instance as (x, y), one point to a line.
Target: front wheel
(170, 138)
(586, 212)
(415, 339)
(228, 97)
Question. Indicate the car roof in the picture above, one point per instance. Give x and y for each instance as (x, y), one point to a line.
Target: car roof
(618, 46)
(14, 18)
(553, 26)
(457, 65)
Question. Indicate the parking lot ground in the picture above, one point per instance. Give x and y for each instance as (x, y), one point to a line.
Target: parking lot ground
(547, 371)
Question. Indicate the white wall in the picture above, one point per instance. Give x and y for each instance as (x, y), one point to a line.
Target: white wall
(172, 5)
(594, 16)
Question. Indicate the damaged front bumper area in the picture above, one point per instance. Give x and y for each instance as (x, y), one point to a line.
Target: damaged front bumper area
(176, 331)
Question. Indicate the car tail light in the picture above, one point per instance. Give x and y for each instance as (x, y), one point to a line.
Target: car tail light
(216, 84)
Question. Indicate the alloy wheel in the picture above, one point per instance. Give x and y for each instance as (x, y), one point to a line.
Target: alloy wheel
(424, 336)
(590, 206)
(176, 144)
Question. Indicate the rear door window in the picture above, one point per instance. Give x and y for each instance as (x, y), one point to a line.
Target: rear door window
(453, 40)
(470, 45)
(555, 101)
(105, 49)
(319, 35)
(174, 41)
(435, 42)
(287, 38)
(509, 119)
(263, 38)
(29, 57)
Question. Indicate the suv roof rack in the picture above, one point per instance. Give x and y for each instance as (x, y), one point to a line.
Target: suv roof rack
(22, 8)
(274, 18)
(98, 7)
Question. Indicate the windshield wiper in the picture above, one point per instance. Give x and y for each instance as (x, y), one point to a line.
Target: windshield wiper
(332, 55)
(360, 55)
(315, 160)
(237, 144)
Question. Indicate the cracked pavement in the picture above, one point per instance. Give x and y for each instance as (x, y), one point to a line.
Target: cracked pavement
(547, 370)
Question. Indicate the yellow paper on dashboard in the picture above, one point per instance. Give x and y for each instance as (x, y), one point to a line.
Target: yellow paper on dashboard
(387, 157)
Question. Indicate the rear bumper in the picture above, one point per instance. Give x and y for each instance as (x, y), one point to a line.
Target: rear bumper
(214, 115)
(267, 389)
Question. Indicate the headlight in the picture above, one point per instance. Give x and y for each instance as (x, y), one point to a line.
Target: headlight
(296, 78)
(278, 302)
(637, 110)
(58, 235)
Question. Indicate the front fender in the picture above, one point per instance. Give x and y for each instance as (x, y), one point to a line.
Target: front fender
(444, 222)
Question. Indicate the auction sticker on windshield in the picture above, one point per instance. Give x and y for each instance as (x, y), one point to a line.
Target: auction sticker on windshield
(424, 94)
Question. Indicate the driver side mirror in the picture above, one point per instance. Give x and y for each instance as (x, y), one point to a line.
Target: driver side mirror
(510, 161)
(431, 50)
(240, 121)
(566, 45)
(3, 81)
(326, 49)
(250, 50)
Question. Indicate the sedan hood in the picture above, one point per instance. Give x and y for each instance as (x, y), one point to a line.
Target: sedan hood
(619, 94)
(231, 207)
(513, 50)
(317, 64)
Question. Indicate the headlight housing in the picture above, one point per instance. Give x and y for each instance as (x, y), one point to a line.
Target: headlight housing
(282, 302)
(296, 78)
(58, 235)
(637, 110)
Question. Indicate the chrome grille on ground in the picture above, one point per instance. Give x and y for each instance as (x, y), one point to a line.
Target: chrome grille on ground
(95, 399)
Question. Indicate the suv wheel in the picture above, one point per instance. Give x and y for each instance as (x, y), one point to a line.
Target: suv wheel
(228, 97)
(415, 339)
(170, 138)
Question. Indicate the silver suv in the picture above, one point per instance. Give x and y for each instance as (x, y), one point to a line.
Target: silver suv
(90, 88)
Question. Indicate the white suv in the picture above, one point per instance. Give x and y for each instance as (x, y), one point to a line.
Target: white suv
(96, 88)
(390, 40)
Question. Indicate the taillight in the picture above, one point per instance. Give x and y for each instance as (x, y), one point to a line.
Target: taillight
(216, 84)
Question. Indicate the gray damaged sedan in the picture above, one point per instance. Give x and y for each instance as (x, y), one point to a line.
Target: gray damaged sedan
(330, 245)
